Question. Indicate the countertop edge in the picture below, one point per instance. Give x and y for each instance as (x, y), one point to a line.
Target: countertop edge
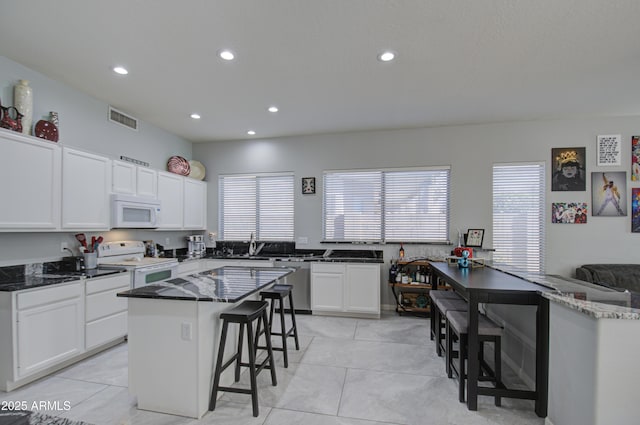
(594, 309)
(51, 281)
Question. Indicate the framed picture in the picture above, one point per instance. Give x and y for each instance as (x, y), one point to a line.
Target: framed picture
(569, 212)
(308, 185)
(474, 238)
(568, 172)
(608, 150)
(635, 210)
(635, 158)
(609, 194)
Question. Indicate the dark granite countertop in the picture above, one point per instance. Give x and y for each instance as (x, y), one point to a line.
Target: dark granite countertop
(284, 258)
(225, 284)
(12, 283)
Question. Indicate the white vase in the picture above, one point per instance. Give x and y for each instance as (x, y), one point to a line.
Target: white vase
(23, 101)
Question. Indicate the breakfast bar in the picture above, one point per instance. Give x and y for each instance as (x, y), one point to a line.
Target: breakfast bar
(174, 331)
(486, 285)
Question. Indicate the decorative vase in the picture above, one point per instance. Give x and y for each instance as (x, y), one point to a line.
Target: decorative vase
(23, 100)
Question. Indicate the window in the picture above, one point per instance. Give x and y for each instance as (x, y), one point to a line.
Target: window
(258, 204)
(518, 216)
(409, 205)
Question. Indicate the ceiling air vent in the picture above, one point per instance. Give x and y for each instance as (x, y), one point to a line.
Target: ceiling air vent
(123, 119)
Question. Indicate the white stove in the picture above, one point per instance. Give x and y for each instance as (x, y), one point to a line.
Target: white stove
(130, 255)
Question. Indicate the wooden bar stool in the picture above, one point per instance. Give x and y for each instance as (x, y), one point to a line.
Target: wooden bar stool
(442, 306)
(435, 295)
(458, 324)
(280, 293)
(245, 314)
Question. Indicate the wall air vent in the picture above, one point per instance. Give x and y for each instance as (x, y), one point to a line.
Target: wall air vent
(123, 119)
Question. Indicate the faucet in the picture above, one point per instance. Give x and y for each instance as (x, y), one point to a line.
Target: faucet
(252, 246)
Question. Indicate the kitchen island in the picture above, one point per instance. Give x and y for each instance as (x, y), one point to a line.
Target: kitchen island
(174, 331)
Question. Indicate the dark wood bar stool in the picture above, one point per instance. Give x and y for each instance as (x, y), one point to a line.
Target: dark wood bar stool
(458, 324)
(436, 295)
(245, 314)
(442, 306)
(280, 293)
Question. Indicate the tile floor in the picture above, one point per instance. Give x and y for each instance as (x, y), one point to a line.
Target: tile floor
(347, 372)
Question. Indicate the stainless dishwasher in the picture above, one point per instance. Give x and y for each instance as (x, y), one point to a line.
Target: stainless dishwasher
(301, 281)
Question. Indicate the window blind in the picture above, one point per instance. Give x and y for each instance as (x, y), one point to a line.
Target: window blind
(262, 205)
(416, 206)
(352, 206)
(395, 205)
(518, 216)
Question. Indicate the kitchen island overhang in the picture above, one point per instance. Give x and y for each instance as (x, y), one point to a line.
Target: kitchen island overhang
(174, 331)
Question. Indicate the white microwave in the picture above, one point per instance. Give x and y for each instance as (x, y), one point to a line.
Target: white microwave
(132, 212)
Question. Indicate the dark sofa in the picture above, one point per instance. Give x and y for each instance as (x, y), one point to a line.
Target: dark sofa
(620, 276)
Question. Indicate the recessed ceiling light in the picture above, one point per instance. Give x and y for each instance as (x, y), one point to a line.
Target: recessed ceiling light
(386, 56)
(120, 70)
(226, 54)
(251, 133)
(195, 116)
(273, 109)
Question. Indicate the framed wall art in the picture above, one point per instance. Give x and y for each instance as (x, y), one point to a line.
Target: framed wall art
(474, 238)
(308, 185)
(568, 171)
(608, 194)
(569, 212)
(608, 150)
(635, 210)
(635, 158)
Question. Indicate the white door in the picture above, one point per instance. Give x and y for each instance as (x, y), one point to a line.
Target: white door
(124, 178)
(147, 182)
(30, 190)
(86, 179)
(362, 288)
(327, 291)
(50, 332)
(195, 204)
(170, 194)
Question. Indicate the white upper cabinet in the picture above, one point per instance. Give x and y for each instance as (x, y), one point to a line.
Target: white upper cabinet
(31, 176)
(131, 179)
(124, 178)
(86, 182)
(195, 204)
(170, 194)
(146, 182)
(183, 202)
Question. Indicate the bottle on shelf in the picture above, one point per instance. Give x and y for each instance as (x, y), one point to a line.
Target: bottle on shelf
(393, 271)
(401, 252)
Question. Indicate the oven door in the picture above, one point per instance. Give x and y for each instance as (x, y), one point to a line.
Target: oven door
(147, 275)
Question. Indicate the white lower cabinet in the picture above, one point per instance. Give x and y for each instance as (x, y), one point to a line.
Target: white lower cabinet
(49, 327)
(345, 289)
(44, 329)
(106, 313)
(327, 287)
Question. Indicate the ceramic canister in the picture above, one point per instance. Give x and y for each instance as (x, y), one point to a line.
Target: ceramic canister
(23, 100)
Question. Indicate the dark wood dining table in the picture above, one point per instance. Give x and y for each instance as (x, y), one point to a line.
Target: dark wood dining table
(489, 286)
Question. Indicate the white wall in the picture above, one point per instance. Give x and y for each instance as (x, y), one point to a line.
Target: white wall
(83, 125)
(471, 151)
